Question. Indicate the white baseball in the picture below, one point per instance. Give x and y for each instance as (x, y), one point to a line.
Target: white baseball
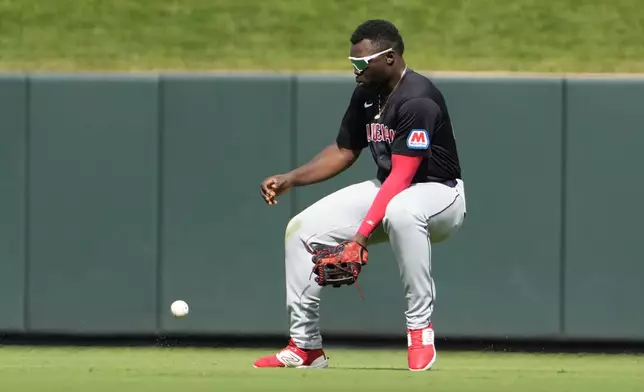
(179, 308)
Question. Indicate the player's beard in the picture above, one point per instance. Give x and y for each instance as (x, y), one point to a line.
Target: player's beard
(375, 85)
(385, 85)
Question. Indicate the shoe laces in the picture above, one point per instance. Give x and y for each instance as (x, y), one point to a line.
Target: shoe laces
(416, 339)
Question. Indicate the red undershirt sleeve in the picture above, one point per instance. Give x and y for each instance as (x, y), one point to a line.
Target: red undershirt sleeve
(403, 169)
(419, 118)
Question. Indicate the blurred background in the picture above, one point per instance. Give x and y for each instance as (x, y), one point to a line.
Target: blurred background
(134, 135)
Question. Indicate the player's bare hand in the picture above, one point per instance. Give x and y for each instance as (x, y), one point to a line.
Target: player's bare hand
(274, 186)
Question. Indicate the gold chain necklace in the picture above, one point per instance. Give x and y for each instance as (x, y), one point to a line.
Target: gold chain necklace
(377, 116)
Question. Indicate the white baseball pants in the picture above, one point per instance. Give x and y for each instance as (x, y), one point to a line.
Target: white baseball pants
(422, 214)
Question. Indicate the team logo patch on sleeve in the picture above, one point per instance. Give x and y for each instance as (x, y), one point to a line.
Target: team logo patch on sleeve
(418, 139)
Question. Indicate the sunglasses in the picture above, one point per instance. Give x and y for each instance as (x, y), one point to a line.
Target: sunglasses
(362, 63)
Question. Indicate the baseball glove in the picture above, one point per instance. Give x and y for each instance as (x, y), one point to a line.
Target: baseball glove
(339, 265)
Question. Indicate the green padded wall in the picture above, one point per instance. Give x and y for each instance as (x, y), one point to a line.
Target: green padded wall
(223, 247)
(120, 194)
(93, 205)
(499, 276)
(604, 269)
(13, 95)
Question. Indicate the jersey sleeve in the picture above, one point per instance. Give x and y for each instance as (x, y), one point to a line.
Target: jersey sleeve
(352, 134)
(418, 120)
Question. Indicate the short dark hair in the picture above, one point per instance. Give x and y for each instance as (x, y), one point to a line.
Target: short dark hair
(382, 32)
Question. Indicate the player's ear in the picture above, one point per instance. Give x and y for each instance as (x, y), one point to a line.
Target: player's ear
(390, 58)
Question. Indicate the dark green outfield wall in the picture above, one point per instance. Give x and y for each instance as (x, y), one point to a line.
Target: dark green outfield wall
(120, 194)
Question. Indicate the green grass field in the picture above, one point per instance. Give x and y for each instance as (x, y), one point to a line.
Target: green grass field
(27, 369)
(307, 35)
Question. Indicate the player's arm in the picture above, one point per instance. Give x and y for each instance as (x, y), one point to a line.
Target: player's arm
(331, 161)
(419, 118)
(340, 155)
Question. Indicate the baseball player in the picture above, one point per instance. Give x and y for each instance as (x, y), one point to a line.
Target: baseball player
(416, 198)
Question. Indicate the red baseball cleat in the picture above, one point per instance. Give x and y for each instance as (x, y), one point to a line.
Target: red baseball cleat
(294, 357)
(421, 353)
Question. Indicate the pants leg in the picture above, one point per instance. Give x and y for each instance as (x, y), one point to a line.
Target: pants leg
(330, 220)
(423, 214)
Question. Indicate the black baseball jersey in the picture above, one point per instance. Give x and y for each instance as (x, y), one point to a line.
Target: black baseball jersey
(414, 121)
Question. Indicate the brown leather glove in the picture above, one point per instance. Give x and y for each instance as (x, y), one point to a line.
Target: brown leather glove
(340, 265)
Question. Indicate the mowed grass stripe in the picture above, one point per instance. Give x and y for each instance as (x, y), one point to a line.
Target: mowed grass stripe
(307, 35)
(166, 369)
